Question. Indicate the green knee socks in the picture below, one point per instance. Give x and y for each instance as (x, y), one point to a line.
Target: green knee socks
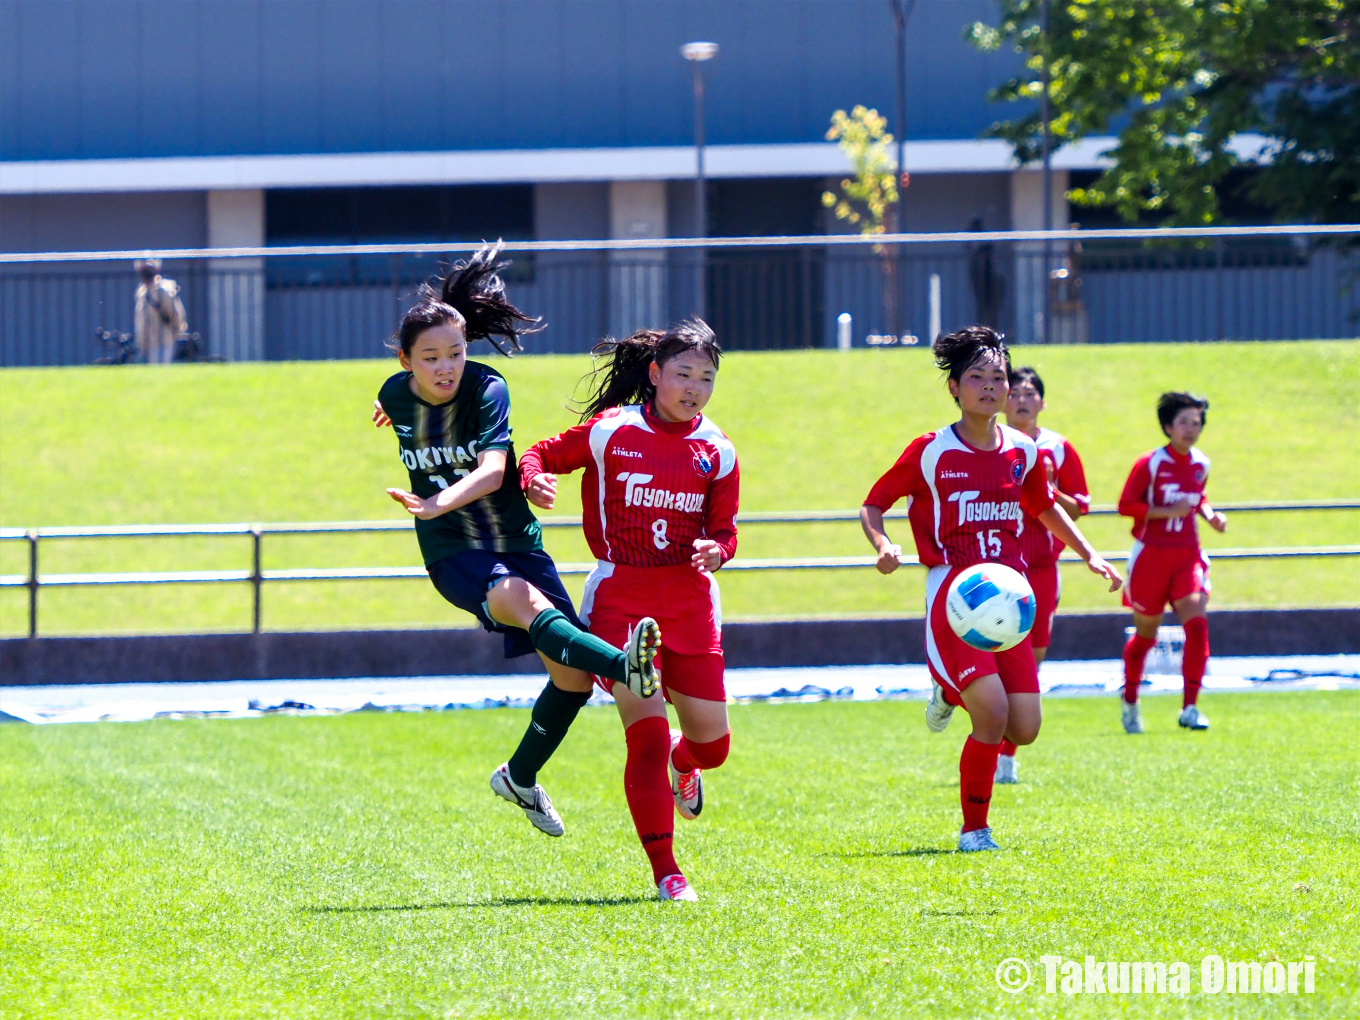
(562, 641)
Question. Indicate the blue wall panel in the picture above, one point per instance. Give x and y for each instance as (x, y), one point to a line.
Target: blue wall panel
(84, 79)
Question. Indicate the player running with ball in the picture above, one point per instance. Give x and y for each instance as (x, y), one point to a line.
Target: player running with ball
(659, 495)
(1041, 550)
(1163, 495)
(969, 487)
(480, 541)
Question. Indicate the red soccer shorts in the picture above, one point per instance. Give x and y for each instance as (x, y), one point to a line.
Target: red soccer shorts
(1047, 585)
(684, 603)
(1162, 574)
(954, 665)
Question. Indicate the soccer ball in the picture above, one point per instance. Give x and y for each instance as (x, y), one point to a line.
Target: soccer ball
(990, 607)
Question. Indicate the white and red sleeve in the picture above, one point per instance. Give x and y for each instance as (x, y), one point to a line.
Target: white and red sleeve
(560, 455)
(1072, 478)
(1133, 501)
(720, 520)
(904, 478)
(1036, 495)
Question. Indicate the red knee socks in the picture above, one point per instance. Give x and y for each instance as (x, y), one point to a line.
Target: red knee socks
(1195, 657)
(977, 766)
(1135, 654)
(1007, 748)
(647, 786)
(689, 755)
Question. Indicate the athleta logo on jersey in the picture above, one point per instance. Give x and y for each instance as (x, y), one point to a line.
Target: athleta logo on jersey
(636, 493)
(973, 509)
(427, 458)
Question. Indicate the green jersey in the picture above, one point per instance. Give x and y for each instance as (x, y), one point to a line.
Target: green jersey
(439, 444)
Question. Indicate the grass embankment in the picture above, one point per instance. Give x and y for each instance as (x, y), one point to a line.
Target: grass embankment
(286, 442)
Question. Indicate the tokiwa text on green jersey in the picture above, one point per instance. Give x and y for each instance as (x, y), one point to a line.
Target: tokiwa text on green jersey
(439, 444)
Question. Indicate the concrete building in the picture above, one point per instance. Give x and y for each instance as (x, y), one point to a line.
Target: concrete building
(137, 124)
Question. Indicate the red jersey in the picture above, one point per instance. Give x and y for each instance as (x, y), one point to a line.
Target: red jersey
(650, 487)
(1164, 478)
(1065, 473)
(966, 505)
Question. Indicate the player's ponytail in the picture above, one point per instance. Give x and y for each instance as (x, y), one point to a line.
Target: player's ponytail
(471, 295)
(622, 367)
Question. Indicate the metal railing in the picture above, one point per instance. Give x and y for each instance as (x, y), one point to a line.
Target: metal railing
(256, 576)
(328, 302)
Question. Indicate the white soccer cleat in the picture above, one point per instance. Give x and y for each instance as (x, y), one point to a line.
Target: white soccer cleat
(686, 787)
(1132, 718)
(1193, 719)
(534, 800)
(1007, 769)
(676, 888)
(643, 643)
(938, 710)
(977, 839)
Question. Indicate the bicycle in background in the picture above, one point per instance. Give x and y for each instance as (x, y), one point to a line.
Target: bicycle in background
(119, 348)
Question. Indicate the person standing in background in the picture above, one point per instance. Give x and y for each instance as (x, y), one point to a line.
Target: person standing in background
(158, 315)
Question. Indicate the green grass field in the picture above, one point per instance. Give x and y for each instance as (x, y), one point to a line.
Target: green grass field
(357, 866)
(291, 441)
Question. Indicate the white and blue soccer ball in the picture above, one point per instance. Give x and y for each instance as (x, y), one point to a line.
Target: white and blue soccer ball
(990, 607)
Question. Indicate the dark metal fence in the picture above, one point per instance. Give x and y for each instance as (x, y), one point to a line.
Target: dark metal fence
(760, 293)
(256, 576)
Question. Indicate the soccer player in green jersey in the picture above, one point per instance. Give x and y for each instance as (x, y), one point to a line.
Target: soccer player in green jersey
(480, 541)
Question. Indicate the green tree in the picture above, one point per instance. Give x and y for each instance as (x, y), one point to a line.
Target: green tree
(869, 200)
(1177, 80)
(865, 200)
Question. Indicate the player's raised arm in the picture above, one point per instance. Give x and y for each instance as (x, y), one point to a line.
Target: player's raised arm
(561, 454)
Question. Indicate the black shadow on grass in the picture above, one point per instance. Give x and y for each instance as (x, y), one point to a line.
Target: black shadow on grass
(505, 901)
(916, 851)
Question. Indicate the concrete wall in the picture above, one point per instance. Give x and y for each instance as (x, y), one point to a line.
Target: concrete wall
(453, 652)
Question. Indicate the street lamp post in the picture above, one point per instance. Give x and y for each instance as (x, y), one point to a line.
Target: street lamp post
(901, 12)
(1045, 117)
(697, 53)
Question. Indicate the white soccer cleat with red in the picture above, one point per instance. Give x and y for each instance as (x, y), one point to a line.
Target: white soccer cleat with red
(676, 888)
(938, 710)
(686, 787)
(1007, 769)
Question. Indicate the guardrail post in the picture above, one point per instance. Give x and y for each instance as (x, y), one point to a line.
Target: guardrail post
(32, 537)
(256, 576)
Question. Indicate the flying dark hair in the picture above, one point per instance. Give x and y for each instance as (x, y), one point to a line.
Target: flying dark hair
(957, 352)
(621, 375)
(1171, 404)
(471, 295)
(1027, 374)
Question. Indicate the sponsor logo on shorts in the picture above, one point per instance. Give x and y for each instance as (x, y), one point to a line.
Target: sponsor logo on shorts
(970, 669)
